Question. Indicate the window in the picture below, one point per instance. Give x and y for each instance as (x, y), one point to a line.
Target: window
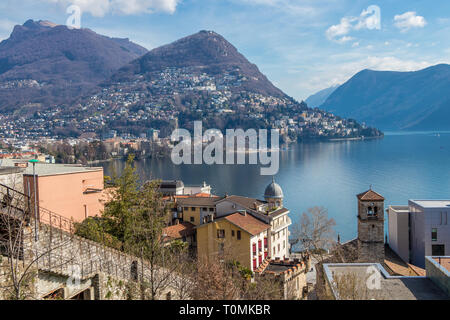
(434, 234)
(185, 209)
(192, 219)
(211, 209)
(260, 259)
(254, 263)
(232, 233)
(438, 250)
(193, 208)
(278, 247)
(260, 245)
(238, 234)
(254, 249)
(284, 244)
(265, 243)
(220, 233)
(265, 255)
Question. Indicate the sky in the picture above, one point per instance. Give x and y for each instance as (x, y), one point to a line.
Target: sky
(302, 46)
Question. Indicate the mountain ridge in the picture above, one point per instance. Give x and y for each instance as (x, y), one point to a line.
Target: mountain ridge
(412, 100)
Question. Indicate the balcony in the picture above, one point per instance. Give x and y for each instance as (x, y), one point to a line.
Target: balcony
(281, 226)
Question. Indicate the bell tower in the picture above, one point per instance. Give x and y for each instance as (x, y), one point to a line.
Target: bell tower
(370, 227)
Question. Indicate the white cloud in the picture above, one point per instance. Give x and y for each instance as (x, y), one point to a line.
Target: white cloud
(99, 8)
(368, 19)
(409, 20)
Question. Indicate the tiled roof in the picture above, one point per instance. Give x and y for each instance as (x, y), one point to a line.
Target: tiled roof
(245, 202)
(370, 195)
(180, 230)
(247, 223)
(197, 201)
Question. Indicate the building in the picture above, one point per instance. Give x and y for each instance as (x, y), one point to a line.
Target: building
(73, 192)
(420, 229)
(183, 231)
(238, 236)
(197, 210)
(291, 275)
(370, 227)
(177, 187)
(371, 281)
(270, 211)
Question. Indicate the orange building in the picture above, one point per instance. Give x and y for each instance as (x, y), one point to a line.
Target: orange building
(73, 192)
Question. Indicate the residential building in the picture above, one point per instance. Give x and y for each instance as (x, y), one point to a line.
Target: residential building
(420, 229)
(270, 211)
(73, 192)
(238, 236)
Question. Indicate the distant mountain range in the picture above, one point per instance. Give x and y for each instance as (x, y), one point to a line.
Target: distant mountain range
(317, 99)
(390, 100)
(43, 63)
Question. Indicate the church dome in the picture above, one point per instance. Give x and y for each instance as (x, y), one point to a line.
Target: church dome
(273, 191)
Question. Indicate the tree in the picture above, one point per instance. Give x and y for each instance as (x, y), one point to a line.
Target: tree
(18, 245)
(124, 197)
(144, 238)
(314, 232)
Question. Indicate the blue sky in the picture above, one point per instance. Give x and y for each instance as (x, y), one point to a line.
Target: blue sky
(301, 45)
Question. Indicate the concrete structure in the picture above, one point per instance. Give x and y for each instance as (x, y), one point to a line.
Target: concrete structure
(238, 236)
(74, 192)
(370, 281)
(438, 270)
(177, 187)
(370, 227)
(398, 218)
(420, 229)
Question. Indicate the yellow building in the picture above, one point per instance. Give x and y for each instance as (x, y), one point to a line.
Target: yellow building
(239, 236)
(197, 210)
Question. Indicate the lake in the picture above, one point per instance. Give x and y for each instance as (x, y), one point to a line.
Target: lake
(401, 166)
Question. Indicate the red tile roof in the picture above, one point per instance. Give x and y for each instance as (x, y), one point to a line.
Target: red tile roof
(247, 223)
(179, 231)
(370, 195)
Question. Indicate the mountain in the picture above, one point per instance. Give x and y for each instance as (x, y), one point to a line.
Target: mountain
(317, 99)
(418, 100)
(44, 63)
(204, 52)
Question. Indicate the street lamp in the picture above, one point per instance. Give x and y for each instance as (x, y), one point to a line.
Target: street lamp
(36, 231)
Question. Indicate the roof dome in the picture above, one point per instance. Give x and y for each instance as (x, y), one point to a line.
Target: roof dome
(273, 191)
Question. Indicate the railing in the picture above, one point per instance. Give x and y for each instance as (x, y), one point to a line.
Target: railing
(55, 220)
(20, 202)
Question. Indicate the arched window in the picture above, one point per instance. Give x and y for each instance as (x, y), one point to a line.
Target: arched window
(370, 211)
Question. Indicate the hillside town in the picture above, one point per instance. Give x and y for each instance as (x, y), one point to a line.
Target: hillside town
(255, 237)
(178, 97)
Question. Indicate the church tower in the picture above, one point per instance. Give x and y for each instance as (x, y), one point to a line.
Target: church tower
(370, 227)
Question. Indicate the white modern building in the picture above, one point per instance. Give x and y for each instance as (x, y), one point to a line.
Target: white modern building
(420, 229)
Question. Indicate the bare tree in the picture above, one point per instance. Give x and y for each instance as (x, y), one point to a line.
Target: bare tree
(314, 232)
(19, 247)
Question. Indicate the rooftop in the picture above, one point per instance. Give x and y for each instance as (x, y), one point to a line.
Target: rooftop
(47, 169)
(370, 195)
(179, 231)
(391, 287)
(247, 223)
(437, 204)
(443, 261)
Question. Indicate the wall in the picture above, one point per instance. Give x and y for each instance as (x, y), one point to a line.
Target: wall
(438, 274)
(208, 243)
(399, 231)
(65, 193)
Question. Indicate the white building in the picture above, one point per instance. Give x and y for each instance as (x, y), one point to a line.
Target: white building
(420, 229)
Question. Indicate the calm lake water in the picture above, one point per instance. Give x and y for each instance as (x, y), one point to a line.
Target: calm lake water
(401, 166)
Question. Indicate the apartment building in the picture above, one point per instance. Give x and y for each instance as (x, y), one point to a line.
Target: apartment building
(420, 229)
